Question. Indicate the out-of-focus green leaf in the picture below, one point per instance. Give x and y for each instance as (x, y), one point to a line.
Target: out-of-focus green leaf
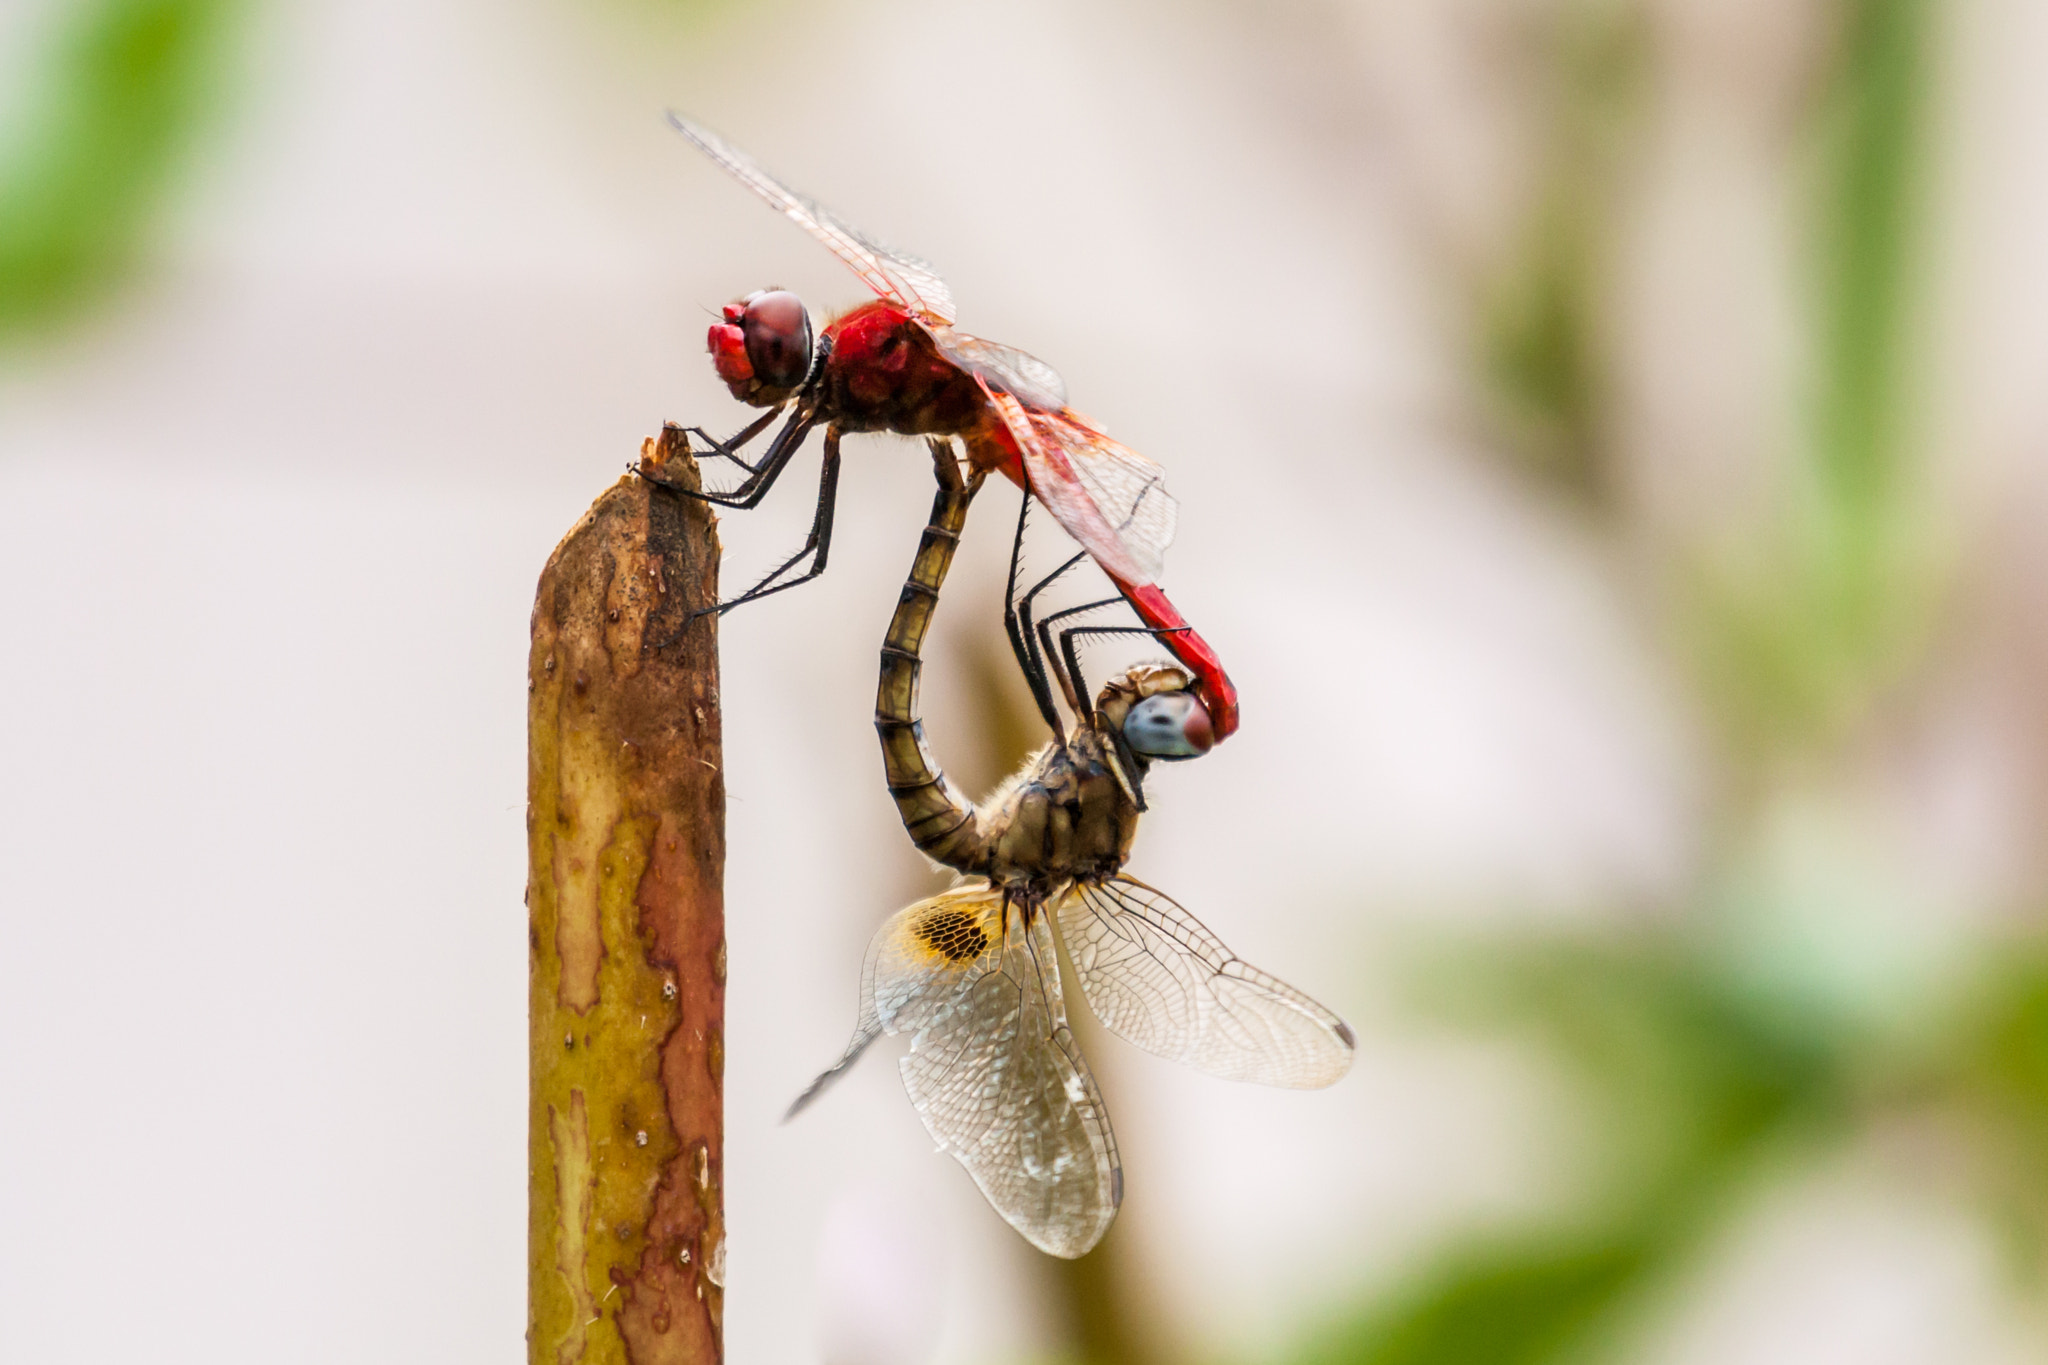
(1696, 1085)
(1539, 339)
(1873, 136)
(2008, 1050)
(1697, 1072)
(1540, 334)
(1688, 1068)
(116, 101)
(1994, 1074)
(1800, 635)
(1796, 638)
(1532, 1303)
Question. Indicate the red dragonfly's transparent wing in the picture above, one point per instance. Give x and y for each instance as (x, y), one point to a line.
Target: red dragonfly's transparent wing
(1107, 496)
(896, 276)
(1031, 380)
(993, 1069)
(1156, 977)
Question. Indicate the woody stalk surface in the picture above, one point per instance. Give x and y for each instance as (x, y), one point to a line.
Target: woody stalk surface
(626, 853)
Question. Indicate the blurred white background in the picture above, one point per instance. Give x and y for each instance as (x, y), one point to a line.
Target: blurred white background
(270, 524)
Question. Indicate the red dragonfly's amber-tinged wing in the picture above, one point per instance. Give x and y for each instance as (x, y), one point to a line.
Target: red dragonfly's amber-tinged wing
(1157, 978)
(1106, 496)
(902, 279)
(993, 1069)
(1031, 380)
(897, 276)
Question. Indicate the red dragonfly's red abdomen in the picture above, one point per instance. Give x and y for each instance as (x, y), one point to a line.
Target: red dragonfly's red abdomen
(1212, 684)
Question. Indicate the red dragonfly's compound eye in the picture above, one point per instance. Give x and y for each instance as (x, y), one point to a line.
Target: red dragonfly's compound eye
(778, 334)
(1169, 725)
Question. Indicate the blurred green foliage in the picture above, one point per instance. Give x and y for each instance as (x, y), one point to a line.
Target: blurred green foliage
(1517, 1303)
(1994, 1076)
(1540, 340)
(114, 102)
(1801, 630)
(1698, 1089)
(1868, 209)
(1698, 1080)
(1691, 1084)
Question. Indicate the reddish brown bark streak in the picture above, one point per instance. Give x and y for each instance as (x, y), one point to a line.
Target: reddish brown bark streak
(626, 806)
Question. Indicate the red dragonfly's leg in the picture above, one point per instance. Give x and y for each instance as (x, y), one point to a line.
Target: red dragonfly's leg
(1212, 684)
(756, 485)
(817, 545)
(1066, 660)
(1017, 624)
(996, 449)
(729, 448)
(1068, 665)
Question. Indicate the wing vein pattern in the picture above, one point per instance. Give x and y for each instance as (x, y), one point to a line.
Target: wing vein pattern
(894, 275)
(1157, 978)
(1105, 495)
(993, 1068)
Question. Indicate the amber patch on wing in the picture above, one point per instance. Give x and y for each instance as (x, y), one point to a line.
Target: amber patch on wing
(955, 935)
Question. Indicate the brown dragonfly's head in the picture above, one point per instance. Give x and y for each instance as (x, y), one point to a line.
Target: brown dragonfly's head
(1152, 712)
(763, 349)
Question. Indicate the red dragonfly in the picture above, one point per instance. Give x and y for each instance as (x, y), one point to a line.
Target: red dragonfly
(898, 364)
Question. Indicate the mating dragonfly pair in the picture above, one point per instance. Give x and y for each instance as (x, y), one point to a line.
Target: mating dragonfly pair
(973, 974)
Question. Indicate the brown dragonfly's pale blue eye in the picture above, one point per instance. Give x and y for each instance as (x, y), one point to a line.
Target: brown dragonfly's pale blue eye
(1169, 725)
(778, 332)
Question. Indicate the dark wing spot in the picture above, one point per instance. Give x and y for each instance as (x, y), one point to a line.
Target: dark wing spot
(953, 935)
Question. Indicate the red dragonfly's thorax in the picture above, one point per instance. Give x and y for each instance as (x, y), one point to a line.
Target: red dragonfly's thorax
(884, 374)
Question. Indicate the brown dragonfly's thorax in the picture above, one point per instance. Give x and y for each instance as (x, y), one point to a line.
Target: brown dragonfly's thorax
(884, 374)
(1064, 818)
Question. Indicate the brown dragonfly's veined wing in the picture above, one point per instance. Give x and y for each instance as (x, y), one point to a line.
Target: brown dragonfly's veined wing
(1156, 977)
(897, 276)
(993, 1069)
(1106, 496)
(1034, 383)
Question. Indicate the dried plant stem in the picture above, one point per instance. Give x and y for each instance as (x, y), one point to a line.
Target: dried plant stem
(625, 892)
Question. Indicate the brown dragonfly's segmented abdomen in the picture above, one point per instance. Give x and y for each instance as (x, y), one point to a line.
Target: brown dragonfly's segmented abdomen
(939, 821)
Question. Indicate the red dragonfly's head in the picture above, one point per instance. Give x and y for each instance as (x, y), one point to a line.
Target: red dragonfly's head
(763, 348)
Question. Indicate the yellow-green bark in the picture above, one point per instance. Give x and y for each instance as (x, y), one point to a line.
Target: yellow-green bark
(626, 852)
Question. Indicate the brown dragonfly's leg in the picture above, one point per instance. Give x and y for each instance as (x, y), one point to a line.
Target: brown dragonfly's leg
(1018, 626)
(817, 545)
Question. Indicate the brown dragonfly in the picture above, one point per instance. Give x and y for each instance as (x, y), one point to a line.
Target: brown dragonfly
(972, 974)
